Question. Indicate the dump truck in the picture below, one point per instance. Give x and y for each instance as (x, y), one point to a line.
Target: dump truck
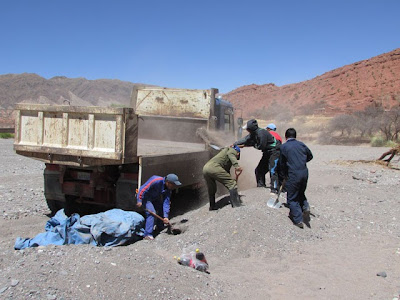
(99, 156)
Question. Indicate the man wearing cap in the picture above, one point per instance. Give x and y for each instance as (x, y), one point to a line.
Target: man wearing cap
(155, 195)
(272, 130)
(273, 159)
(218, 169)
(260, 139)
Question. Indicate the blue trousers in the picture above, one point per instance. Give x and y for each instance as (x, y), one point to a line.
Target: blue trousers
(296, 185)
(273, 171)
(150, 220)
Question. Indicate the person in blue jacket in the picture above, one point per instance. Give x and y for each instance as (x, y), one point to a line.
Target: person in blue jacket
(293, 160)
(155, 195)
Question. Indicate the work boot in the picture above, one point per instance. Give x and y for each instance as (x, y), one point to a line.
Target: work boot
(235, 198)
(306, 215)
(261, 182)
(212, 202)
(300, 225)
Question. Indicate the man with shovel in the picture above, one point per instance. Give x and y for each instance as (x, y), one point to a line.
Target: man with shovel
(218, 169)
(293, 167)
(155, 196)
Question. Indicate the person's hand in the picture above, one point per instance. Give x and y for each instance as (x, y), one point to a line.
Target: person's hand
(166, 221)
(139, 204)
(238, 169)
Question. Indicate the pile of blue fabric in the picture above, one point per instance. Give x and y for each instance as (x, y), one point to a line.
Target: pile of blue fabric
(114, 227)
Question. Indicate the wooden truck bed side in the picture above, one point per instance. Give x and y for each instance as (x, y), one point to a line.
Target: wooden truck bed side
(76, 135)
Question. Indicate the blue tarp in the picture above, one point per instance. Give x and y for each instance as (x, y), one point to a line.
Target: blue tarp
(114, 227)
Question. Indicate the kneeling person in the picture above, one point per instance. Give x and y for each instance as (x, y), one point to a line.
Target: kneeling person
(218, 169)
(155, 195)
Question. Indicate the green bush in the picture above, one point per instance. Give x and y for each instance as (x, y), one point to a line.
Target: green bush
(378, 141)
(6, 135)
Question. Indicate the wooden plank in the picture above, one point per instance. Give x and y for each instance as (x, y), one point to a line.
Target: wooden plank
(118, 133)
(71, 160)
(69, 151)
(71, 109)
(91, 135)
(40, 128)
(65, 130)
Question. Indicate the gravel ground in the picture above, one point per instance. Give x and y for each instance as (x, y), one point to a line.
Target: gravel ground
(253, 251)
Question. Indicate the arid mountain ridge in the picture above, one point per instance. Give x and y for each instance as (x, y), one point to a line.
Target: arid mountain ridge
(343, 90)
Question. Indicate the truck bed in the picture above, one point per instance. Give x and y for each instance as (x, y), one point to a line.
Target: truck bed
(147, 147)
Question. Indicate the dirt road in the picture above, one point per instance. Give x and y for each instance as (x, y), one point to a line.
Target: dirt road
(253, 251)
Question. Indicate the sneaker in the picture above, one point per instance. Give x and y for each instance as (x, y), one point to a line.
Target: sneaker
(148, 238)
(212, 208)
(300, 225)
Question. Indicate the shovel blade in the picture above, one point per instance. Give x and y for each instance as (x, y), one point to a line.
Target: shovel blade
(274, 203)
(215, 147)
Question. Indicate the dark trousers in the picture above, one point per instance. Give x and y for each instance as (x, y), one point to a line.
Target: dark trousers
(262, 168)
(296, 185)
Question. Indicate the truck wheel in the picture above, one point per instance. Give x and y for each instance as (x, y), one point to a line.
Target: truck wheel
(54, 205)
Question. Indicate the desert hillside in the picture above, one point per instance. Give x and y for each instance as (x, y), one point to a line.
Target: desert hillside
(32, 88)
(343, 90)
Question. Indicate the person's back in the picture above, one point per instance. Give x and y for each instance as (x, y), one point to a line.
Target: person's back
(297, 155)
(225, 158)
(293, 159)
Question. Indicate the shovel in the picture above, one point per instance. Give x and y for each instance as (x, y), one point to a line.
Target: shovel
(170, 229)
(215, 147)
(274, 203)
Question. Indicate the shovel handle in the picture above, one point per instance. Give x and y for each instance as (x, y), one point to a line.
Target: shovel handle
(156, 216)
(237, 173)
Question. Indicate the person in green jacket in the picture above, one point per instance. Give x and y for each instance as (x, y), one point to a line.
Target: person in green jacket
(218, 169)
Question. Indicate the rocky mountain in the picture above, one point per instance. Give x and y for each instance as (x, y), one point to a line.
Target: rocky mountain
(32, 88)
(343, 90)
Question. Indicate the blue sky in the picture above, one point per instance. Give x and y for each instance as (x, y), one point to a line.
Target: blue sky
(194, 44)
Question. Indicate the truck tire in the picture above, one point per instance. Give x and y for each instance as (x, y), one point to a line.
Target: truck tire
(54, 206)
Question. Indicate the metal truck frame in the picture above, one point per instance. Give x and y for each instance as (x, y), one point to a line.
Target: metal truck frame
(99, 156)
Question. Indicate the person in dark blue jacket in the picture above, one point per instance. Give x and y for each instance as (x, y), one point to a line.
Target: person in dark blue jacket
(293, 168)
(155, 195)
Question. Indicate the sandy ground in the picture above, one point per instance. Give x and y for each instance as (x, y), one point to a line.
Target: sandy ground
(253, 251)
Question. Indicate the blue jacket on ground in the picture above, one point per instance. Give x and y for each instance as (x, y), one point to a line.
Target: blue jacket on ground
(155, 191)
